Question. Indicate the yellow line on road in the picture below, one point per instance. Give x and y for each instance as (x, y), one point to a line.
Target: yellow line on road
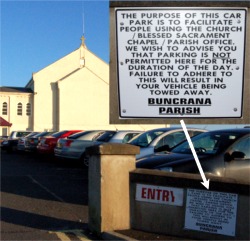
(81, 236)
(62, 236)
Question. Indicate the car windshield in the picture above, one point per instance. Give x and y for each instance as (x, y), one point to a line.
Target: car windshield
(208, 143)
(145, 138)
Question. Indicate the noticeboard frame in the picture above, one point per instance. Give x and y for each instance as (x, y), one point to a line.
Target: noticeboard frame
(115, 117)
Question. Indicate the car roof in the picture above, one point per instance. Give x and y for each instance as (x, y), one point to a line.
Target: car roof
(236, 130)
(174, 128)
(129, 131)
(164, 129)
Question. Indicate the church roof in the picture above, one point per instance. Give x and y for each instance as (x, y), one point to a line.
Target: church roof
(3, 122)
(15, 89)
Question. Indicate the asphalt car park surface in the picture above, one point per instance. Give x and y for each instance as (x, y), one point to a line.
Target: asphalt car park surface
(43, 199)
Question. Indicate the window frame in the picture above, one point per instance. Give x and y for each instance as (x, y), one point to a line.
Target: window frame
(20, 109)
(28, 109)
(5, 108)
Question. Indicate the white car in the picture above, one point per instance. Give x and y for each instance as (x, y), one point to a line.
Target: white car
(160, 139)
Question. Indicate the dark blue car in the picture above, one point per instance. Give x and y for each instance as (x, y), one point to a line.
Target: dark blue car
(221, 153)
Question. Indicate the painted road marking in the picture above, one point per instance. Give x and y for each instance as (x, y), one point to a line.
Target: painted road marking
(78, 233)
(61, 236)
(46, 189)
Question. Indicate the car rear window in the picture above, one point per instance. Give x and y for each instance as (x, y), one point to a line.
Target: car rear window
(21, 134)
(106, 136)
(77, 135)
(128, 137)
(45, 133)
(146, 138)
(58, 134)
(208, 143)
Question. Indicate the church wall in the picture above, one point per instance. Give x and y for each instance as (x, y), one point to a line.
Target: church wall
(97, 66)
(83, 98)
(22, 121)
(45, 91)
(43, 105)
(83, 102)
(70, 96)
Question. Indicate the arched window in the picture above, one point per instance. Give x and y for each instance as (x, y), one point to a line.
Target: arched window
(28, 109)
(19, 109)
(5, 108)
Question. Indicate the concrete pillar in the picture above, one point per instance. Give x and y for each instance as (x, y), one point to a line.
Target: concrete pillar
(109, 167)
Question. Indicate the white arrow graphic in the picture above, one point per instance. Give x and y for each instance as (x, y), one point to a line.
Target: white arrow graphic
(205, 181)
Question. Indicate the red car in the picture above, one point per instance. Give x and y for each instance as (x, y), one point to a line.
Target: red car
(48, 143)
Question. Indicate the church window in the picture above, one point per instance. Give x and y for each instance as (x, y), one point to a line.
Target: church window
(5, 108)
(19, 109)
(28, 109)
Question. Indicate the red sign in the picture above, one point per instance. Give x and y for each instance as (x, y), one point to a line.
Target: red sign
(159, 194)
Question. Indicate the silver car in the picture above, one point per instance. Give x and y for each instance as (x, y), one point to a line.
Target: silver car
(74, 146)
(22, 142)
(69, 147)
(160, 139)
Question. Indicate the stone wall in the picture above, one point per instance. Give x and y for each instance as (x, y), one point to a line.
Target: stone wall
(177, 204)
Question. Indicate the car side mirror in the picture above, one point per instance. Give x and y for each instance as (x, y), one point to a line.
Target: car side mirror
(238, 154)
(234, 155)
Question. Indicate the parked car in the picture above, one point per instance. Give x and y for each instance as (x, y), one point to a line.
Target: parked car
(10, 144)
(18, 134)
(160, 139)
(31, 142)
(75, 148)
(65, 146)
(123, 136)
(221, 153)
(22, 141)
(48, 143)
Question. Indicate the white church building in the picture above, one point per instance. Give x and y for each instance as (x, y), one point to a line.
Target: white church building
(71, 93)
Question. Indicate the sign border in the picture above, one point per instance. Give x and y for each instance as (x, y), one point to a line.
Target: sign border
(178, 117)
(113, 86)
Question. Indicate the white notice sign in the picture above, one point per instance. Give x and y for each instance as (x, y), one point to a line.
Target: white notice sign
(180, 62)
(212, 212)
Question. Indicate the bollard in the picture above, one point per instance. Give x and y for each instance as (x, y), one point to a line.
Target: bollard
(109, 167)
